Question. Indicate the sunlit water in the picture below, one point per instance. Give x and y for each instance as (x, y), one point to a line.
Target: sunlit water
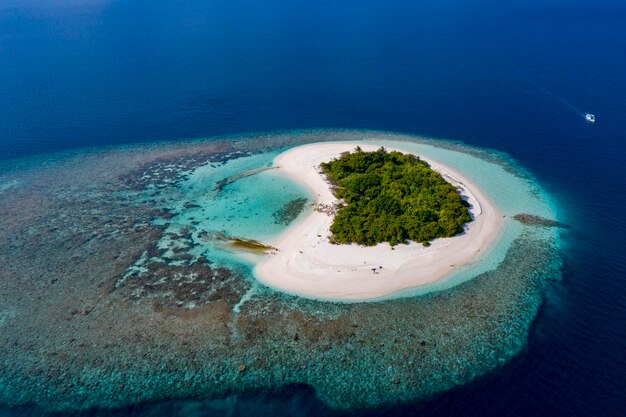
(491, 74)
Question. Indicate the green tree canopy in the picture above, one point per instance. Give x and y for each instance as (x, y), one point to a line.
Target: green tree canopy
(392, 197)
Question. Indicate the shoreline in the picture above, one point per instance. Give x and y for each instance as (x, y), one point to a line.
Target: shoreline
(308, 265)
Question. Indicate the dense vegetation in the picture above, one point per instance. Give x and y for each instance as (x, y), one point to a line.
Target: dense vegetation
(392, 197)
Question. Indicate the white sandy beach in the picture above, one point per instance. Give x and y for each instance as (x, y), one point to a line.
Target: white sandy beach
(307, 264)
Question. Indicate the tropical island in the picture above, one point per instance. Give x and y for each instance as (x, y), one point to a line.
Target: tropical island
(392, 197)
(384, 221)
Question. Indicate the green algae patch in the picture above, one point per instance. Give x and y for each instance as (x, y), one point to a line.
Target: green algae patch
(239, 243)
(250, 245)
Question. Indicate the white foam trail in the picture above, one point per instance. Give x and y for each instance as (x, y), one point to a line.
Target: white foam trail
(562, 100)
(553, 95)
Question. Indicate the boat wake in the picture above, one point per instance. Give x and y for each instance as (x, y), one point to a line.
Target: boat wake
(590, 118)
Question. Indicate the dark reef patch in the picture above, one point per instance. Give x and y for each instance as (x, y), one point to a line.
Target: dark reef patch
(185, 286)
(290, 211)
(219, 186)
(171, 169)
(534, 220)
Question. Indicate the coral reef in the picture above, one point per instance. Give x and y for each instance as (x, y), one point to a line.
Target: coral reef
(94, 313)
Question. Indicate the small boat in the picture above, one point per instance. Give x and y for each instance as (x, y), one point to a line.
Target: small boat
(590, 118)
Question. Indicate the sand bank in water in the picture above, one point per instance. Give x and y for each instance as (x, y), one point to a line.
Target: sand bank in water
(307, 264)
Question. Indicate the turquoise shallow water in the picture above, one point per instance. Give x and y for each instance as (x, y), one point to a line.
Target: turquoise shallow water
(244, 206)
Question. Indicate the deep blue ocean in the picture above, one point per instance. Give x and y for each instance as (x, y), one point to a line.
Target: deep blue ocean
(513, 76)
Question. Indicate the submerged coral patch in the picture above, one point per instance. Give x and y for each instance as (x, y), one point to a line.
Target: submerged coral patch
(534, 220)
(290, 211)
